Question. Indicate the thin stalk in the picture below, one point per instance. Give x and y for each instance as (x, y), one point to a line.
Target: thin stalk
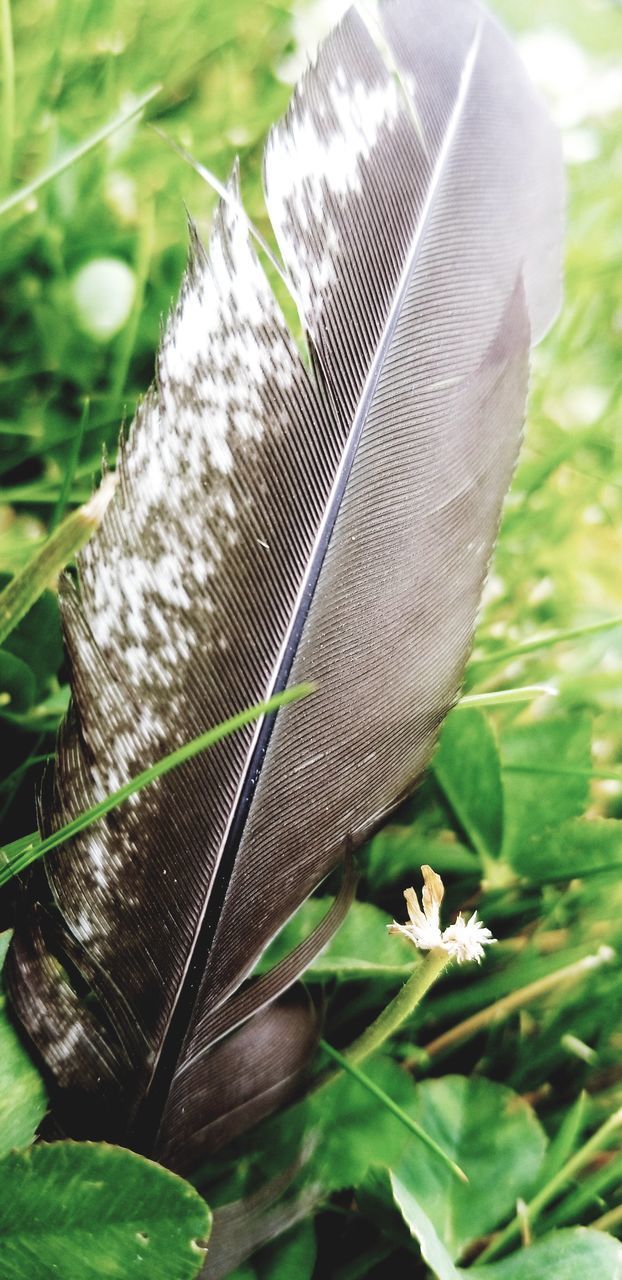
(27, 429)
(609, 1221)
(501, 697)
(400, 1008)
(128, 339)
(584, 1196)
(387, 1101)
(8, 94)
(360, 1268)
(29, 763)
(507, 1004)
(13, 781)
(70, 470)
(25, 588)
(546, 641)
(15, 857)
(232, 200)
(76, 153)
(39, 495)
(552, 1188)
(392, 1016)
(612, 774)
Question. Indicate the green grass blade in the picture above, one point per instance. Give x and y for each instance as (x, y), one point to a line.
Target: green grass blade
(34, 494)
(76, 153)
(25, 588)
(15, 857)
(13, 781)
(7, 70)
(501, 697)
(395, 1110)
(546, 642)
(614, 773)
(588, 1194)
(70, 471)
(146, 244)
(553, 1187)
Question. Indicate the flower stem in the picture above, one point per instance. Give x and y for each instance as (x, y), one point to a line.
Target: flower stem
(392, 1016)
(545, 642)
(400, 1008)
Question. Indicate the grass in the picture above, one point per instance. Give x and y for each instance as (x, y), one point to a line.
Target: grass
(83, 176)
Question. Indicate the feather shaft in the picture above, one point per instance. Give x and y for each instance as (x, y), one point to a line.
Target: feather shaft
(276, 526)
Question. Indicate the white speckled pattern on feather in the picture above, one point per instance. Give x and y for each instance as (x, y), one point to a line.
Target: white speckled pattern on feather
(271, 525)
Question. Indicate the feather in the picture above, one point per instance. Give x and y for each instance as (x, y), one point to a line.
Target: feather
(277, 521)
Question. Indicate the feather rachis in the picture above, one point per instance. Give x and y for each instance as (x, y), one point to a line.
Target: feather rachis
(271, 525)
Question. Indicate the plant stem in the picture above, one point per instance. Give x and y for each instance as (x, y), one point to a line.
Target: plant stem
(586, 1195)
(553, 1187)
(564, 771)
(609, 1220)
(400, 1008)
(70, 471)
(128, 339)
(391, 1018)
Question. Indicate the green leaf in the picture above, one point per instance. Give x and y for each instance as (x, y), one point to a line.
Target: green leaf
(420, 1226)
(37, 639)
(22, 1096)
(361, 948)
(467, 768)
(579, 847)
(291, 1258)
(23, 1101)
(348, 1129)
(17, 681)
(493, 1135)
(83, 1211)
(395, 855)
(575, 1254)
(533, 802)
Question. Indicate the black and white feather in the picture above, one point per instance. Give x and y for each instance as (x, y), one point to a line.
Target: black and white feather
(273, 525)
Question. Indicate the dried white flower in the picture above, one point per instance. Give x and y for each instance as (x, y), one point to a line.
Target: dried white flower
(424, 929)
(466, 939)
(463, 940)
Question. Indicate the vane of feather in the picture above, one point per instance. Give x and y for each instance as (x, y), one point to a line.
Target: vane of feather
(272, 526)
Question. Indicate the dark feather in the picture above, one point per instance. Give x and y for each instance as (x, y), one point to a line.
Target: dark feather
(272, 526)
